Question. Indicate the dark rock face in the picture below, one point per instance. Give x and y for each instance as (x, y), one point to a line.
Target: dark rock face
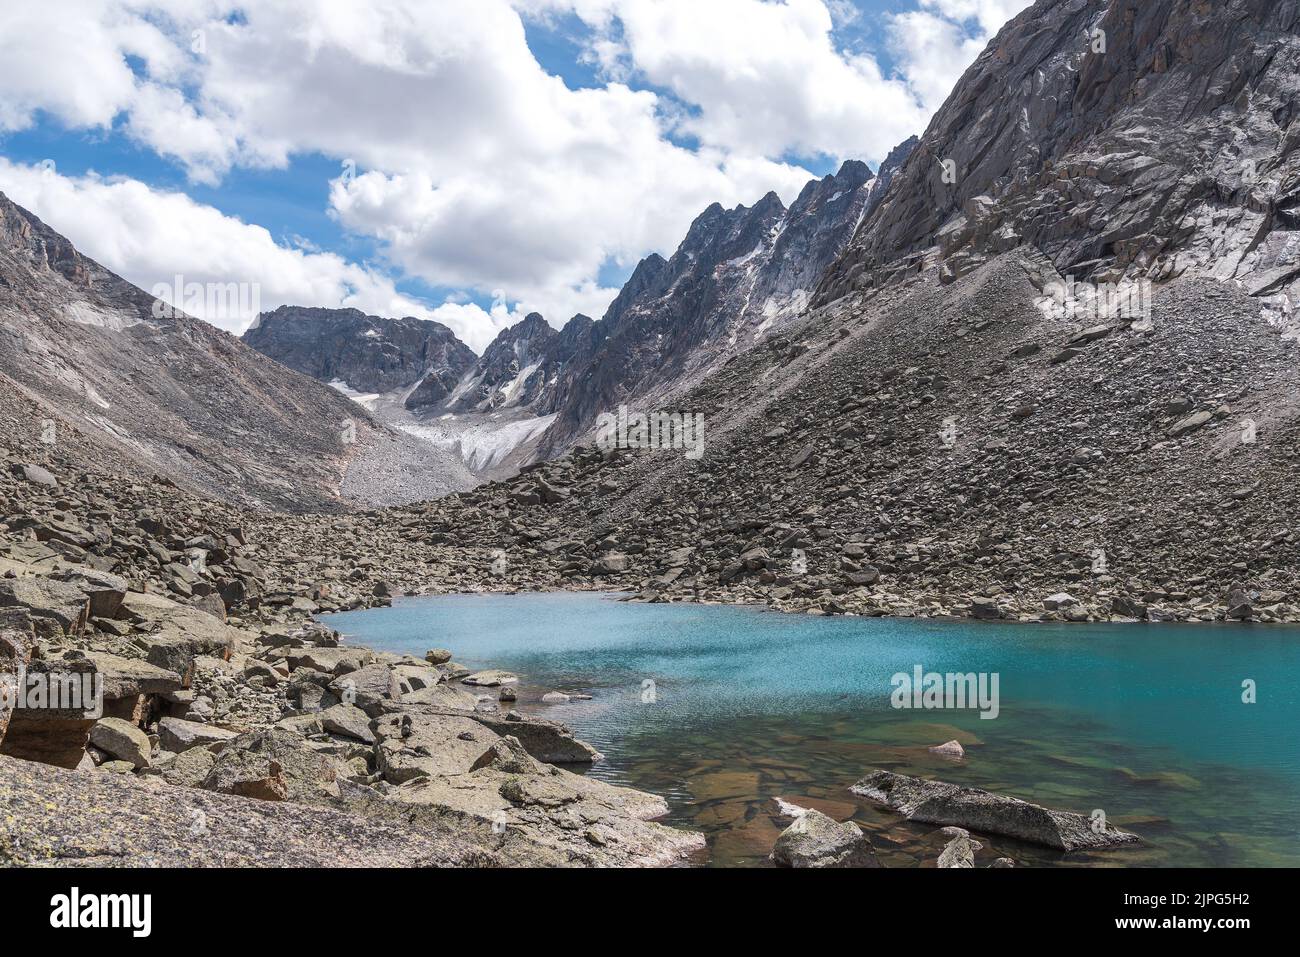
(736, 276)
(1122, 138)
(522, 366)
(368, 353)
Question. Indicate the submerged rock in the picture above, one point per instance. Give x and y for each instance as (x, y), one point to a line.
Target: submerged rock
(935, 802)
(950, 749)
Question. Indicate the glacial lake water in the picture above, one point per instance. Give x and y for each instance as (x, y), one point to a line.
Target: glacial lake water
(1144, 722)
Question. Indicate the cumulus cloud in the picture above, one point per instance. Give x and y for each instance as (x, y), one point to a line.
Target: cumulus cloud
(767, 78)
(152, 237)
(474, 167)
(936, 44)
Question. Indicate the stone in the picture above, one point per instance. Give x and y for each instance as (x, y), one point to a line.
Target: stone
(122, 740)
(62, 603)
(179, 735)
(273, 765)
(960, 851)
(349, 721)
(936, 802)
(815, 840)
(545, 740)
(368, 687)
(413, 744)
(490, 679)
(950, 749)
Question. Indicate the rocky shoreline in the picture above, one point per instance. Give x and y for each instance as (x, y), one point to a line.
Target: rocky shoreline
(222, 694)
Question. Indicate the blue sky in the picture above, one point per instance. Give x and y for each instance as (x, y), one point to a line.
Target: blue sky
(522, 153)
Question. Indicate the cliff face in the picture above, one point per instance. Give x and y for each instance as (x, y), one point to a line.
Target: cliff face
(737, 276)
(1138, 139)
(367, 353)
(522, 367)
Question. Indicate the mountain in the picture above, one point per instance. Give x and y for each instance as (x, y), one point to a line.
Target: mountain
(361, 353)
(1124, 139)
(110, 367)
(938, 437)
(738, 275)
(522, 366)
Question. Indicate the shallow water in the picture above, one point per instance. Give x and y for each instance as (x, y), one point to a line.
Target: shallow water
(1144, 722)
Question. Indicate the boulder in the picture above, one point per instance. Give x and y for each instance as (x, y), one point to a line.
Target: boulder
(935, 802)
(959, 851)
(179, 735)
(414, 744)
(105, 591)
(815, 840)
(491, 678)
(123, 740)
(349, 721)
(547, 741)
(367, 687)
(64, 606)
(274, 765)
(334, 661)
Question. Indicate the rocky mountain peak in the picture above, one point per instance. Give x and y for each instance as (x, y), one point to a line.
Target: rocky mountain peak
(362, 353)
(1125, 139)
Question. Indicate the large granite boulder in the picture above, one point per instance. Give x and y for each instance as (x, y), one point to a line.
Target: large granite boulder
(935, 802)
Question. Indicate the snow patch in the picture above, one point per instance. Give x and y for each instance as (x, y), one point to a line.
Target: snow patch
(366, 400)
(510, 391)
(748, 257)
(482, 446)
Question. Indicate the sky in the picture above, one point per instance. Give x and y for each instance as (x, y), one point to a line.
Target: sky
(468, 161)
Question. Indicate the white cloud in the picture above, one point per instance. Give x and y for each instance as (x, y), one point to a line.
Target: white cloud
(768, 78)
(476, 169)
(151, 237)
(934, 46)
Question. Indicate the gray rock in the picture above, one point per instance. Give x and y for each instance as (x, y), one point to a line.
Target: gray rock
(349, 721)
(122, 740)
(935, 802)
(179, 735)
(815, 840)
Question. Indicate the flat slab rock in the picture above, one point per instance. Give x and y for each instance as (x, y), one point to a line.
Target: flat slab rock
(936, 802)
(54, 816)
(540, 815)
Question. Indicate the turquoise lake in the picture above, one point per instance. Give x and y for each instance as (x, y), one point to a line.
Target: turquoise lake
(1144, 722)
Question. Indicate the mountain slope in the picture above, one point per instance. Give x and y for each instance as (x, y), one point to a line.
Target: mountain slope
(171, 394)
(738, 275)
(929, 439)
